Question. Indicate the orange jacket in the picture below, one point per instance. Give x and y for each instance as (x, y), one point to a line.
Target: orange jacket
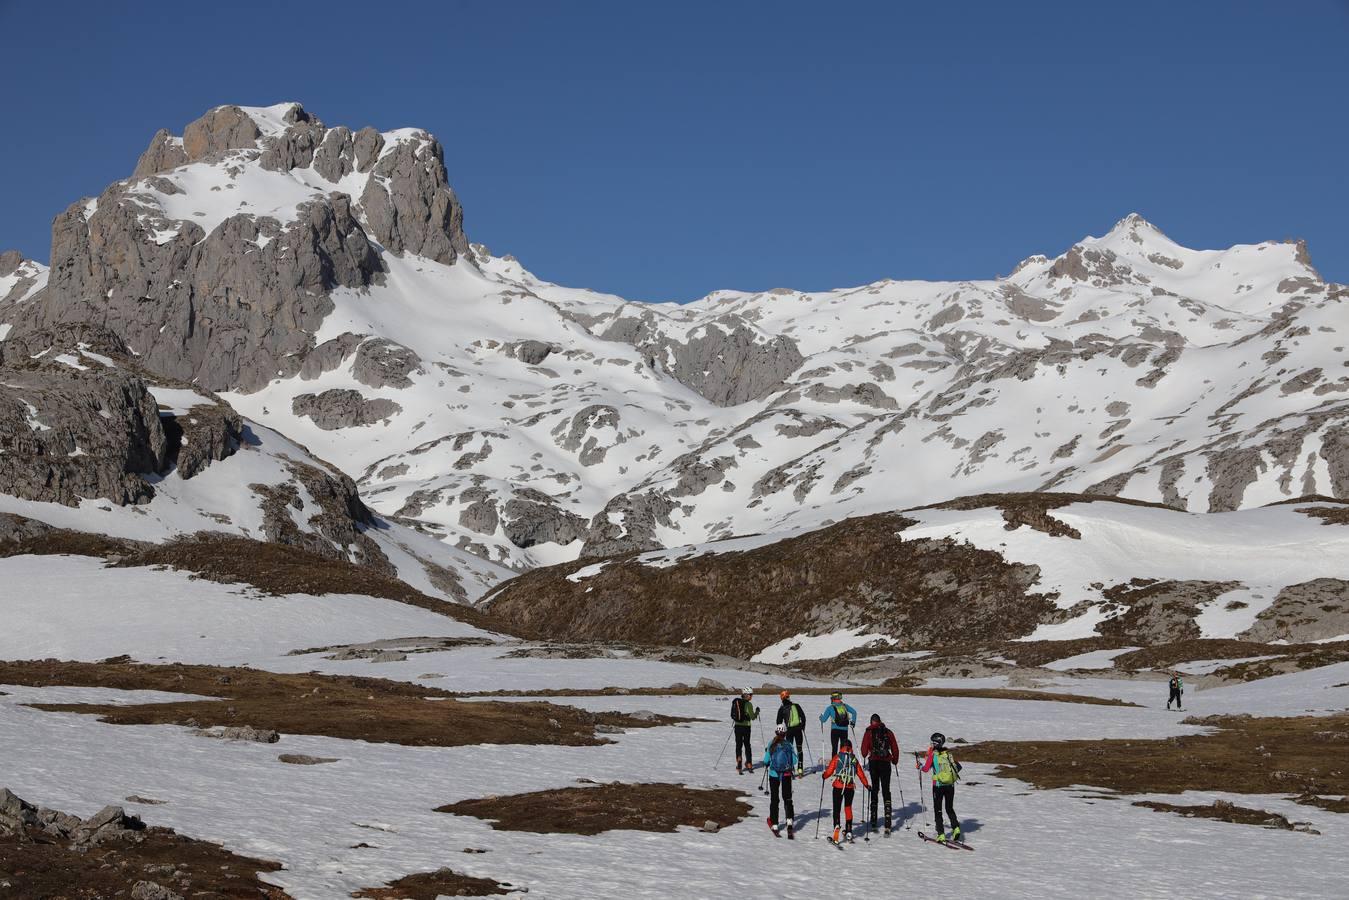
(858, 772)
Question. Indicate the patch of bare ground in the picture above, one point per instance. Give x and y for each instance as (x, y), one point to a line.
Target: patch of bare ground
(1330, 804)
(1288, 657)
(607, 807)
(36, 864)
(430, 885)
(1224, 811)
(228, 559)
(367, 709)
(1307, 755)
(1329, 515)
(1032, 508)
(858, 572)
(1004, 694)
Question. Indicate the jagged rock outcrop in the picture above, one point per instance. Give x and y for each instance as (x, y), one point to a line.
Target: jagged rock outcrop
(66, 435)
(628, 523)
(206, 433)
(340, 408)
(727, 360)
(409, 204)
(382, 363)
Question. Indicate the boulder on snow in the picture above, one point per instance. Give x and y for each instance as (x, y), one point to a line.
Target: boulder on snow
(241, 733)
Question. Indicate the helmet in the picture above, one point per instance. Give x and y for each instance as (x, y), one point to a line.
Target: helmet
(785, 695)
(938, 739)
(781, 729)
(845, 744)
(836, 695)
(875, 718)
(747, 692)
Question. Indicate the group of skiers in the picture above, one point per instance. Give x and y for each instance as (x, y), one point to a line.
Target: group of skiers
(784, 761)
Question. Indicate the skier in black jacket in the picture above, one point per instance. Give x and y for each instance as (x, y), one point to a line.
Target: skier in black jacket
(793, 718)
(743, 714)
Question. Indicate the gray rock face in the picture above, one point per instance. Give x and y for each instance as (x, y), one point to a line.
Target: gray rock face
(10, 260)
(217, 310)
(1311, 611)
(205, 434)
(628, 523)
(577, 438)
(382, 363)
(535, 518)
(529, 352)
(242, 733)
(409, 204)
(728, 362)
(339, 408)
(68, 435)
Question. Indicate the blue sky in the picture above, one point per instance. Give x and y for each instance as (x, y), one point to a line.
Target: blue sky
(663, 150)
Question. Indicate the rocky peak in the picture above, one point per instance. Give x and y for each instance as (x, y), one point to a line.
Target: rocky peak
(10, 260)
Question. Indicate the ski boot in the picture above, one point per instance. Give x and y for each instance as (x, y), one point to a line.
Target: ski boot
(791, 832)
(941, 838)
(955, 836)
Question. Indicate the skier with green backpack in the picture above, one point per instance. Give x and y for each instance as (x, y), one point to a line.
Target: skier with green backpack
(743, 715)
(945, 773)
(780, 759)
(793, 718)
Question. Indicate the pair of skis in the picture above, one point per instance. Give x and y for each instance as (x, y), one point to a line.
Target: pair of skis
(954, 845)
(777, 830)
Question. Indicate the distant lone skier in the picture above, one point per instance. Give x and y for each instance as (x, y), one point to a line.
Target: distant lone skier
(846, 773)
(842, 716)
(945, 773)
(881, 751)
(780, 758)
(743, 715)
(1177, 687)
(793, 718)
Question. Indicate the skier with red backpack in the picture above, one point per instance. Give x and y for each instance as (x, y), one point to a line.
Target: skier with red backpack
(881, 751)
(846, 772)
(780, 759)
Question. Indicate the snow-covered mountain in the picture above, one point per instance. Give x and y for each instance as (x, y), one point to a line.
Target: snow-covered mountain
(321, 280)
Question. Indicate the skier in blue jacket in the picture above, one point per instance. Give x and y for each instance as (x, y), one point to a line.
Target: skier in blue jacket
(842, 715)
(781, 759)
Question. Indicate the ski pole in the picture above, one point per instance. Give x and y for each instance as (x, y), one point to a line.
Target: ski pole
(809, 753)
(919, 772)
(723, 750)
(820, 815)
(902, 805)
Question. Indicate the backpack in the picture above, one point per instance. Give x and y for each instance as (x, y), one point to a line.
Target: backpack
(737, 710)
(944, 769)
(795, 717)
(880, 743)
(840, 716)
(846, 770)
(780, 757)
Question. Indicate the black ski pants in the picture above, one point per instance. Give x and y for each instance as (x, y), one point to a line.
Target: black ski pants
(944, 793)
(781, 785)
(880, 787)
(742, 740)
(843, 798)
(798, 734)
(836, 737)
(1174, 698)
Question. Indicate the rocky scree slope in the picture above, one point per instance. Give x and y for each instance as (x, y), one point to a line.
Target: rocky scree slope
(321, 280)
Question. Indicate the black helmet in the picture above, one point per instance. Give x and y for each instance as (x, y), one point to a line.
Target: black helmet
(938, 739)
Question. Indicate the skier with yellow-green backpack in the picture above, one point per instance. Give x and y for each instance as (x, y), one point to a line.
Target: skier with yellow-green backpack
(945, 773)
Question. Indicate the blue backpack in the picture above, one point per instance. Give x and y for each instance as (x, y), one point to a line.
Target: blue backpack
(780, 757)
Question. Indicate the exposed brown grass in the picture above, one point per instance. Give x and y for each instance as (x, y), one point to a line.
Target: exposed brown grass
(368, 709)
(861, 571)
(1302, 755)
(430, 885)
(45, 866)
(1009, 694)
(607, 807)
(1331, 804)
(1223, 812)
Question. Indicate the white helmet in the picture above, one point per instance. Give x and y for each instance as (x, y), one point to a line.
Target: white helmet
(781, 729)
(747, 692)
